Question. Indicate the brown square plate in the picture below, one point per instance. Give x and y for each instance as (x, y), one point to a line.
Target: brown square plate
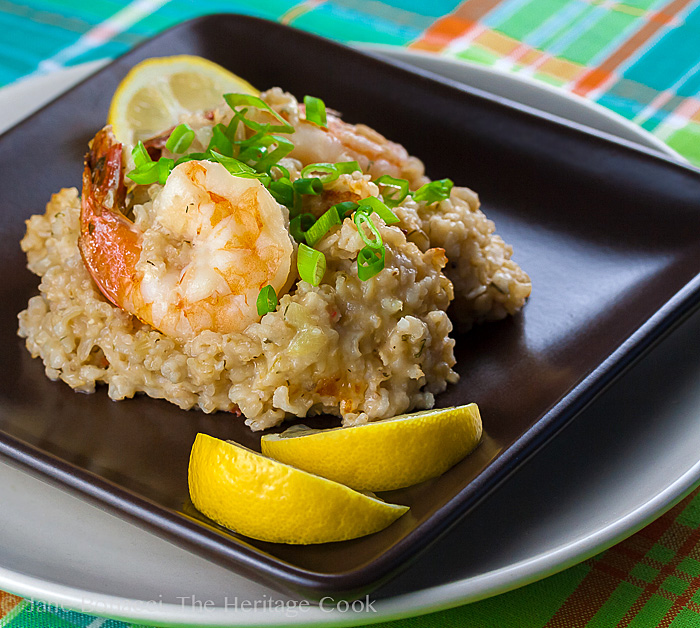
(610, 235)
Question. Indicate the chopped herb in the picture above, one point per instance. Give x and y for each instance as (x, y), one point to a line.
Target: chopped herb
(267, 300)
(180, 138)
(434, 191)
(311, 264)
(316, 111)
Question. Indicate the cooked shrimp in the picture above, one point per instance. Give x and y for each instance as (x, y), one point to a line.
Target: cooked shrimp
(341, 141)
(225, 239)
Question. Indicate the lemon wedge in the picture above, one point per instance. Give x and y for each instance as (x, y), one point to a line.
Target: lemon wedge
(271, 501)
(156, 92)
(382, 455)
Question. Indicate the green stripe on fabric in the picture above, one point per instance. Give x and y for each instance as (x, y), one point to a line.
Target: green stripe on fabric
(588, 45)
(651, 613)
(616, 606)
(9, 617)
(479, 55)
(690, 516)
(529, 17)
(528, 607)
(685, 619)
(548, 78)
(29, 618)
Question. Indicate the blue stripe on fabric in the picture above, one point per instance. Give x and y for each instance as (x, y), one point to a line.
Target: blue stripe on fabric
(77, 619)
(345, 24)
(670, 58)
(432, 8)
(555, 24)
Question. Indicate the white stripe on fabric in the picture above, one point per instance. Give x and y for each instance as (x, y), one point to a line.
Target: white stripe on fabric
(99, 34)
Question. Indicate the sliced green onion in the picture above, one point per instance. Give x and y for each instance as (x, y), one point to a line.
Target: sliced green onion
(238, 169)
(282, 191)
(282, 148)
(369, 262)
(325, 172)
(300, 224)
(362, 217)
(393, 190)
(434, 191)
(165, 165)
(140, 155)
(315, 111)
(284, 173)
(323, 225)
(373, 204)
(312, 186)
(232, 127)
(220, 141)
(346, 208)
(180, 139)
(311, 264)
(267, 300)
(346, 167)
(238, 100)
(145, 174)
(193, 157)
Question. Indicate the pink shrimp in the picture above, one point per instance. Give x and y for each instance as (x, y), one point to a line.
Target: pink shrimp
(226, 239)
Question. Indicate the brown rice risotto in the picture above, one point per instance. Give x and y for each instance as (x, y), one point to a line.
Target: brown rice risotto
(362, 349)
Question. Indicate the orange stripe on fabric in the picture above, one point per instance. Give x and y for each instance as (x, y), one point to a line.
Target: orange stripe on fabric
(607, 572)
(597, 76)
(689, 540)
(7, 603)
(450, 27)
(442, 32)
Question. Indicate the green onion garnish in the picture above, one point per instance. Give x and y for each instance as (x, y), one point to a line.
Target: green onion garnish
(284, 173)
(311, 264)
(434, 191)
(193, 156)
(325, 172)
(267, 300)
(180, 138)
(363, 217)
(393, 190)
(323, 225)
(313, 186)
(315, 111)
(369, 262)
(238, 100)
(140, 155)
(237, 168)
(165, 165)
(282, 191)
(373, 204)
(145, 174)
(220, 141)
(346, 208)
(299, 225)
(270, 157)
(346, 167)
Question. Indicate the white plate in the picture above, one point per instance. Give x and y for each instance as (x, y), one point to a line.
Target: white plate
(629, 456)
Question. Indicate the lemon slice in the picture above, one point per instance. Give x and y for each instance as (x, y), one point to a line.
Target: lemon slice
(270, 501)
(382, 455)
(156, 92)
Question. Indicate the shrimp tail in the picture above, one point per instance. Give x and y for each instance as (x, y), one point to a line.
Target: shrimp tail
(109, 243)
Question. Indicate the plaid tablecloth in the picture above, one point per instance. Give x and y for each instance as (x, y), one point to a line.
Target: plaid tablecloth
(640, 58)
